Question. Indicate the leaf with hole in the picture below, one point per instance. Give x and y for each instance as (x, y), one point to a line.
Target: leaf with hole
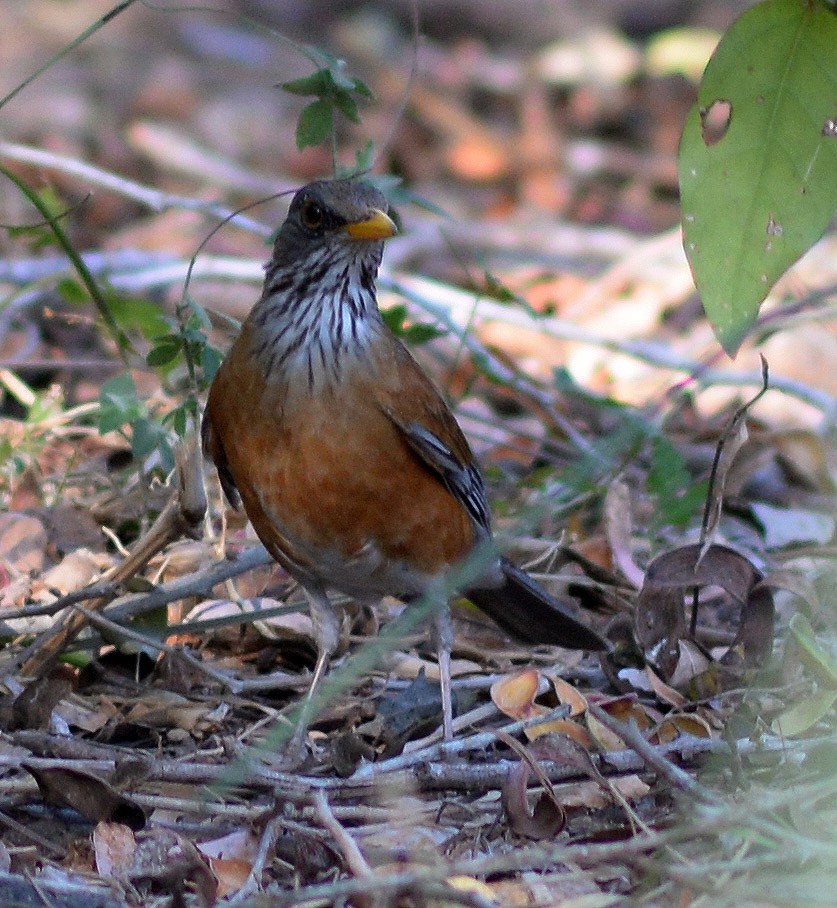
(757, 162)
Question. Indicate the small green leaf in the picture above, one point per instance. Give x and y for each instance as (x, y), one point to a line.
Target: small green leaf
(146, 437)
(315, 125)
(138, 314)
(421, 333)
(315, 84)
(118, 403)
(347, 106)
(394, 316)
(211, 359)
(363, 90)
(72, 291)
(820, 663)
(806, 713)
(163, 354)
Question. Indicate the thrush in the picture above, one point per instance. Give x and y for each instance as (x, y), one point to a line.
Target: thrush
(346, 458)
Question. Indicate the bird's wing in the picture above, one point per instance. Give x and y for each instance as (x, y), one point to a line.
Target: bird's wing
(416, 408)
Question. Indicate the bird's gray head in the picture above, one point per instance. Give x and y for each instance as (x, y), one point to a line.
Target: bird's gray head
(318, 309)
(346, 217)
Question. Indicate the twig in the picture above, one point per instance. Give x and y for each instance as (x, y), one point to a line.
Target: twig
(652, 756)
(355, 861)
(436, 298)
(195, 584)
(183, 514)
(154, 199)
(448, 748)
(28, 833)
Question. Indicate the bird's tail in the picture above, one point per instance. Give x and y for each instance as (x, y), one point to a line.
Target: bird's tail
(529, 614)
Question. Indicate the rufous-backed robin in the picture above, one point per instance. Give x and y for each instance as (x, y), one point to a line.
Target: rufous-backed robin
(349, 463)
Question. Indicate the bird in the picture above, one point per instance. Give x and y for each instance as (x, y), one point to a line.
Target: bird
(346, 458)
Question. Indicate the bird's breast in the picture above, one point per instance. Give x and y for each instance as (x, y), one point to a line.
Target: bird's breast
(322, 469)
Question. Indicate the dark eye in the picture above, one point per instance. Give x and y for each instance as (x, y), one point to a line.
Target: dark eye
(312, 214)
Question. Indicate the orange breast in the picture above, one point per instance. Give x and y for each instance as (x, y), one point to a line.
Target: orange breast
(331, 472)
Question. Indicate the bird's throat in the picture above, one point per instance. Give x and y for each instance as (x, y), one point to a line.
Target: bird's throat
(307, 333)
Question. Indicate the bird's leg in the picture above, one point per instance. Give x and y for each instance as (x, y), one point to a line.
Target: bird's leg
(443, 633)
(326, 619)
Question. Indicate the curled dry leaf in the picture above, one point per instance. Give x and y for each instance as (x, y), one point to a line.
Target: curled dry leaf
(568, 695)
(94, 798)
(547, 818)
(670, 582)
(515, 696)
(618, 525)
(626, 709)
(33, 706)
(678, 724)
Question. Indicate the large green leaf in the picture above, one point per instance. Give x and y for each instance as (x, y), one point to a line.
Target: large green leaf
(765, 191)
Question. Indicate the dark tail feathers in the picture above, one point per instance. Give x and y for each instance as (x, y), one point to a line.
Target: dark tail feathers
(529, 614)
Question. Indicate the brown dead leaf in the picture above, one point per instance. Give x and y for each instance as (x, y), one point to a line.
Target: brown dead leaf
(625, 709)
(33, 706)
(167, 709)
(568, 695)
(76, 570)
(94, 798)
(23, 541)
(114, 847)
(542, 822)
(71, 527)
(82, 716)
(618, 526)
(662, 690)
(515, 695)
(231, 859)
(659, 619)
(678, 724)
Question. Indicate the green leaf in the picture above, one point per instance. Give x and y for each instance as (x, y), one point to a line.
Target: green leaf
(821, 664)
(72, 291)
(347, 105)
(362, 90)
(421, 333)
(317, 83)
(394, 316)
(800, 717)
(138, 314)
(758, 196)
(163, 354)
(678, 495)
(211, 358)
(147, 436)
(315, 124)
(118, 403)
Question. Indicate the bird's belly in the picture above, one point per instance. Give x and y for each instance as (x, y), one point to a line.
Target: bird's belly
(333, 488)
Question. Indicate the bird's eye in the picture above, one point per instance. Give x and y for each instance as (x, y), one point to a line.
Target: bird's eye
(312, 214)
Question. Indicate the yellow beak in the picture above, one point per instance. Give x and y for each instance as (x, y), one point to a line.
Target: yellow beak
(378, 226)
